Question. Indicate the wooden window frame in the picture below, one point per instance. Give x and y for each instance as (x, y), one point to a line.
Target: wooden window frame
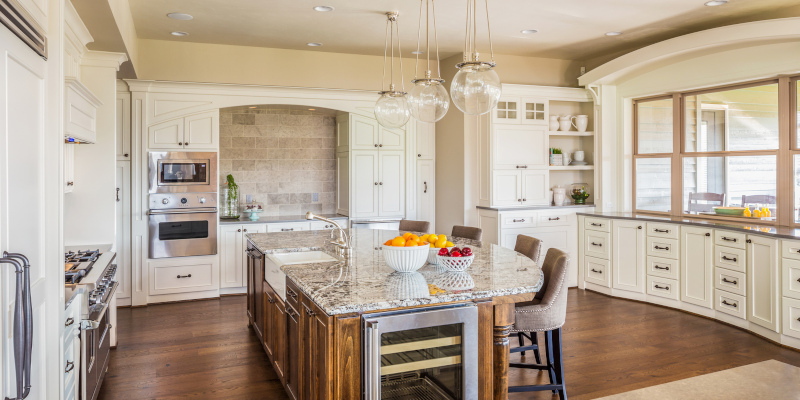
(784, 154)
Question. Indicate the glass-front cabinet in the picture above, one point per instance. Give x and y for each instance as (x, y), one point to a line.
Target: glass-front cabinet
(428, 354)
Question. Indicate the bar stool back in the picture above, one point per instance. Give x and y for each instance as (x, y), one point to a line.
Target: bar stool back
(467, 232)
(415, 226)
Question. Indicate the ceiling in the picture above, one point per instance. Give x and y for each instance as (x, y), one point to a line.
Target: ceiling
(568, 29)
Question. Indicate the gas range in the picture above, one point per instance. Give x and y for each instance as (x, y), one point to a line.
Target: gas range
(93, 271)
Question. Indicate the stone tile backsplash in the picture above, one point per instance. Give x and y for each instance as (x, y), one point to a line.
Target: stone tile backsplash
(282, 156)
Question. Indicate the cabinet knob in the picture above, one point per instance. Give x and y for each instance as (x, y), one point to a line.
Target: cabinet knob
(70, 183)
(380, 183)
(376, 145)
(638, 227)
(524, 200)
(749, 241)
(245, 230)
(239, 230)
(180, 143)
(708, 234)
(419, 155)
(376, 183)
(125, 155)
(380, 145)
(186, 143)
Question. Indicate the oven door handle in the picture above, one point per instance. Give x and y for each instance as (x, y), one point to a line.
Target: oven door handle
(372, 360)
(194, 211)
(90, 324)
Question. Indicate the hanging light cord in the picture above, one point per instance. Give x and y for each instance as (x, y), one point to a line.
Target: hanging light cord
(436, 40)
(392, 27)
(385, 48)
(419, 37)
(489, 28)
(399, 55)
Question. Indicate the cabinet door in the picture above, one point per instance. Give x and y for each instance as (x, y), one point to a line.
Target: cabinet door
(520, 147)
(535, 187)
(363, 133)
(391, 184)
(258, 301)
(123, 126)
(426, 140)
(166, 135)
(342, 133)
(317, 342)
(293, 357)
(364, 188)
(343, 183)
(279, 333)
(201, 131)
(69, 168)
(534, 111)
(628, 256)
(251, 290)
(507, 111)
(231, 256)
(269, 318)
(391, 139)
(697, 266)
(123, 245)
(507, 188)
(763, 277)
(426, 200)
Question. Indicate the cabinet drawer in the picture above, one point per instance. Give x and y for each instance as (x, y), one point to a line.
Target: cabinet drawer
(730, 239)
(597, 224)
(597, 244)
(729, 303)
(663, 267)
(292, 294)
(730, 281)
(791, 278)
(791, 317)
(169, 279)
(730, 258)
(790, 249)
(662, 287)
(288, 227)
(666, 248)
(597, 271)
(665, 231)
(554, 219)
(517, 221)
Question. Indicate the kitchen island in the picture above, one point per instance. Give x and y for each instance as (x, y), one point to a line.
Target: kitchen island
(312, 325)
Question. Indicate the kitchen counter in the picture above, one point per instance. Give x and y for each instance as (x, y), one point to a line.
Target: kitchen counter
(541, 208)
(781, 232)
(366, 283)
(276, 219)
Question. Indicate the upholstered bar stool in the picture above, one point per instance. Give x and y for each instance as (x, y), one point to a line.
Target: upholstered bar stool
(467, 232)
(529, 246)
(415, 226)
(548, 316)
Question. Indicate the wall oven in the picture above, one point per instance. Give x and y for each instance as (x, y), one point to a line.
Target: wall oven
(183, 172)
(430, 353)
(183, 225)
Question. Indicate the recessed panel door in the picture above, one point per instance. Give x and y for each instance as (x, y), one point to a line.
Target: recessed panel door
(365, 182)
(391, 184)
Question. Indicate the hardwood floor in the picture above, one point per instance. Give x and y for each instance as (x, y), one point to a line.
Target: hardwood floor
(204, 350)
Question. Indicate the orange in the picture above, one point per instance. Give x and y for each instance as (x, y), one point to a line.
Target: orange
(413, 237)
(388, 242)
(398, 241)
(411, 243)
(407, 235)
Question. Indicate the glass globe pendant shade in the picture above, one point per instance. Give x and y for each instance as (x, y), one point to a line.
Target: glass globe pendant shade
(392, 109)
(476, 88)
(428, 100)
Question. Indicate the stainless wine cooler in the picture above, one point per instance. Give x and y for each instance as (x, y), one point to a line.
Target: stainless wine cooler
(429, 353)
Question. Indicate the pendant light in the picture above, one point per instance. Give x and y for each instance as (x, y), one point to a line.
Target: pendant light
(428, 98)
(476, 87)
(392, 109)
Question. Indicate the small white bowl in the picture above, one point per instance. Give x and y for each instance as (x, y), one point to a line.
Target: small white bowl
(404, 286)
(454, 281)
(405, 259)
(456, 264)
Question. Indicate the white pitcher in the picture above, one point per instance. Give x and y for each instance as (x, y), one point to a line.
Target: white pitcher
(581, 122)
(554, 122)
(565, 122)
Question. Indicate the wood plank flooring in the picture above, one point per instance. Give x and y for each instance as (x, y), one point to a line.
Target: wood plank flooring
(204, 350)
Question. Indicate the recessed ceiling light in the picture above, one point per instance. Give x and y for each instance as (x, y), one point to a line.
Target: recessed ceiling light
(529, 31)
(179, 33)
(614, 33)
(180, 16)
(313, 44)
(323, 8)
(417, 52)
(713, 3)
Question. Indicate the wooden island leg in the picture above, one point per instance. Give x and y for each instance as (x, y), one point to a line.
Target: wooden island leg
(503, 321)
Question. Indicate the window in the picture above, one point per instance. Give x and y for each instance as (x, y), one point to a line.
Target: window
(654, 126)
(734, 181)
(653, 184)
(507, 110)
(534, 111)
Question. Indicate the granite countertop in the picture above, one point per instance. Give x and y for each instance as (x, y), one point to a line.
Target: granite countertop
(276, 219)
(588, 205)
(366, 283)
(782, 232)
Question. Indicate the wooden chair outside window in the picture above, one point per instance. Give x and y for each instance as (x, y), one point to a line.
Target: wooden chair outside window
(710, 200)
(761, 199)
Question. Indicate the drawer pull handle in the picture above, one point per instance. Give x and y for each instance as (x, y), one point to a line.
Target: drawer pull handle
(727, 281)
(597, 244)
(291, 293)
(661, 248)
(749, 241)
(727, 239)
(518, 220)
(593, 224)
(639, 227)
(287, 229)
(734, 305)
(729, 259)
(708, 234)
(664, 268)
(290, 312)
(70, 321)
(70, 367)
(661, 230)
(798, 279)
(661, 287)
(596, 271)
(798, 250)
(554, 219)
(184, 276)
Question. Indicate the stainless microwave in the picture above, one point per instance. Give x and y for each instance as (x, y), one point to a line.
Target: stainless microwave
(183, 172)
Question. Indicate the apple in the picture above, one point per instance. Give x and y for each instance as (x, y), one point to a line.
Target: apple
(443, 252)
(466, 251)
(455, 249)
(455, 254)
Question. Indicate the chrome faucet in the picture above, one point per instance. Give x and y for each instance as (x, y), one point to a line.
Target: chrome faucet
(342, 241)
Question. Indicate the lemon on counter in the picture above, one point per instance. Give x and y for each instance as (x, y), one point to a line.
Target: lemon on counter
(432, 238)
(449, 244)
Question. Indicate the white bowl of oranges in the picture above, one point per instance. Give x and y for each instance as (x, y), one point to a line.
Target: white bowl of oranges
(435, 242)
(405, 253)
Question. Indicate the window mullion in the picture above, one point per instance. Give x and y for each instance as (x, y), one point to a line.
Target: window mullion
(677, 149)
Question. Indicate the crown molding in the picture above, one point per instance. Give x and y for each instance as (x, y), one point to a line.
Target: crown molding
(103, 59)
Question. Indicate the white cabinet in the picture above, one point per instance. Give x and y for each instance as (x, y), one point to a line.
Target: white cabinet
(628, 255)
(697, 266)
(343, 183)
(123, 242)
(364, 183)
(520, 147)
(507, 188)
(521, 110)
(69, 167)
(597, 271)
(123, 115)
(363, 133)
(195, 132)
(426, 200)
(288, 227)
(426, 141)
(535, 185)
(233, 263)
(763, 282)
(72, 349)
(377, 185)
(391, 193)
(80, 112)
(391, 139)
